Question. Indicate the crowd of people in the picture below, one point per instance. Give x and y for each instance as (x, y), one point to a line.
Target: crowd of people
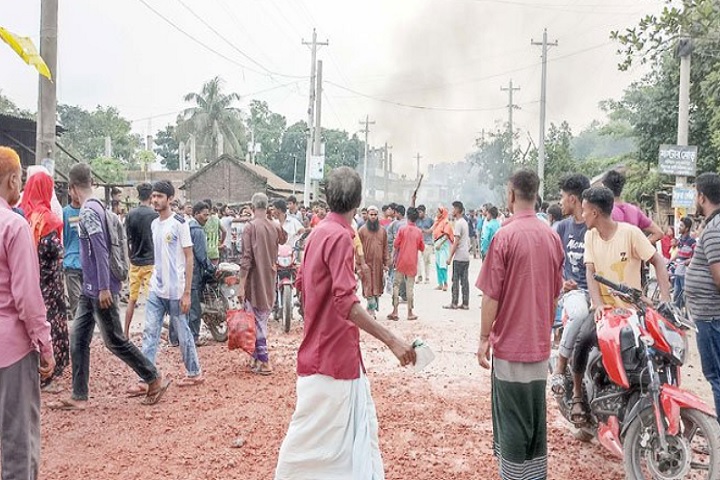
(536, 260)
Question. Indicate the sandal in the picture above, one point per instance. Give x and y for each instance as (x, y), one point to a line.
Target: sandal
(153, 397)
(191, 381)
(393, 317)
(412, 317)
(263, 369)
(578, 416)
(557, 384)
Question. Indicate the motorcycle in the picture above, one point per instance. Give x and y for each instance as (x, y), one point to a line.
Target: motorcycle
(286, 272)
(288, 263)
(219, 296)
(631, 393)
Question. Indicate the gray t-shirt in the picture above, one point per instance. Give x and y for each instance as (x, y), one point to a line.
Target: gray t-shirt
(462, 236)
(703, 296)
(426, 224)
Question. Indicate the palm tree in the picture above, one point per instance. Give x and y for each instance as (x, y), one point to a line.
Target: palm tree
(212, 117)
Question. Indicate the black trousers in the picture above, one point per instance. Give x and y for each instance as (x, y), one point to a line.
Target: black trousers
(460, 279)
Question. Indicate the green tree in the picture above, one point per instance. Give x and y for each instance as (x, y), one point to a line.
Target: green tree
(214, 115)
(292, 148)
(341, 150)
(168, 147)
(110, 169)
(8, 107)
(86, 131)
(268, 128)
(650, 106)
(559, 159)
(496, 161)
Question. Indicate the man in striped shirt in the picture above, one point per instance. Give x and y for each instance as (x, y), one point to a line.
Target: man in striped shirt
(702, 281)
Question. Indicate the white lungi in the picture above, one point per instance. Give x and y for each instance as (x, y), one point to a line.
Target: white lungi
(333, 434)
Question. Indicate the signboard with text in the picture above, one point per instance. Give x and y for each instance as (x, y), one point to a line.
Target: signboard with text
(678, 160)
(683, 197)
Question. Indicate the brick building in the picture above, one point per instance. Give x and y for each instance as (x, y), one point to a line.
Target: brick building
(231, 180)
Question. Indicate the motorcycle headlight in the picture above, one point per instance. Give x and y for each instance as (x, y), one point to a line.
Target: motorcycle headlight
(678, 343)
(285, 261)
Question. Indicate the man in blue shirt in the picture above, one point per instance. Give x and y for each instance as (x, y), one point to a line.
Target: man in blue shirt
(71, 244)
(425, 224)
(575, 299)
(490, 227)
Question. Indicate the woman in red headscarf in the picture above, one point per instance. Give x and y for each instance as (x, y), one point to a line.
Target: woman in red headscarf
(443, 237)
(46, 229)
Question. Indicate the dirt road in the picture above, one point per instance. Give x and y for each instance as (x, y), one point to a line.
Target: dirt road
(433, 425)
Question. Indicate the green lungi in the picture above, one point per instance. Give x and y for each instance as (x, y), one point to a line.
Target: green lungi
(520, 419)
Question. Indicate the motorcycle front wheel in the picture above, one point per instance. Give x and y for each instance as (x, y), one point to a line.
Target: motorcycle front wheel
(693, 454)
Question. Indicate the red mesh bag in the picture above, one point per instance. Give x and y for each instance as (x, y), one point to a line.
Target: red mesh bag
(241, 330)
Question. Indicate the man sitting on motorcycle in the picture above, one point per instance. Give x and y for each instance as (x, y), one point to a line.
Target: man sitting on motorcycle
(575, 299)
(615, 251)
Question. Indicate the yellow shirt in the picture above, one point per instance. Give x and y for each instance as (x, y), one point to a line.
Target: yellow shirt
(618, 259)
(357, 243)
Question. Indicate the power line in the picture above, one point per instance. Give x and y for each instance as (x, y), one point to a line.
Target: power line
(224, 39)
(246, 95)
(208, 47)
(418, 107)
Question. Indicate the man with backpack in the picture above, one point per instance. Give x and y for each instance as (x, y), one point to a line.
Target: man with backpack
(102, 257)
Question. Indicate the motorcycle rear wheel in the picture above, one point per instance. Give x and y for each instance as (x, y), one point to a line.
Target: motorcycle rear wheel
(694, 453)
(287, 307)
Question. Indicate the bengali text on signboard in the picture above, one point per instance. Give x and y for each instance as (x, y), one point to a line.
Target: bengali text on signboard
(678, 160)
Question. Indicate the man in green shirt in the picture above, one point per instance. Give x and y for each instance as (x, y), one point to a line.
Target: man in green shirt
(214, 234)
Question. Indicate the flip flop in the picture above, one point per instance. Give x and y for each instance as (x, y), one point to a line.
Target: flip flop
(135, 391)
(154, 398)
(191, 381)
(65, 405)
(412, 317)
(393, 317)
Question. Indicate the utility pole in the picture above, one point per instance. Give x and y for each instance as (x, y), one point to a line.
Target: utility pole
(417, 160)
(317, 147)
(685, 47)
(366, 130)
(511, 106)
(47, 95)
(386, 159)
(311, 105)
(543, 101)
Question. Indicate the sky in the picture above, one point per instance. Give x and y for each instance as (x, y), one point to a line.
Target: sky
(428, 72)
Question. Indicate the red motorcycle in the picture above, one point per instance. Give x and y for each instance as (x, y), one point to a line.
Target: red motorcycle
(631, 391)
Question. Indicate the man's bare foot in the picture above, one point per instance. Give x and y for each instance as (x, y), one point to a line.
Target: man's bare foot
(69, 404)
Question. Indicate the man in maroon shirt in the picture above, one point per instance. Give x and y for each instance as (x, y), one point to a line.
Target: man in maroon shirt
(334, 431)
(408, 244)
(521, 279)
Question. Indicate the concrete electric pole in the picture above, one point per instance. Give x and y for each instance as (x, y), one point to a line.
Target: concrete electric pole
(366, 131)
(511, 106)
(685, 52)
(386, 178)
(47, 95)
(417, 161)
(543, 101)
(317, 144)
(314, 44)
